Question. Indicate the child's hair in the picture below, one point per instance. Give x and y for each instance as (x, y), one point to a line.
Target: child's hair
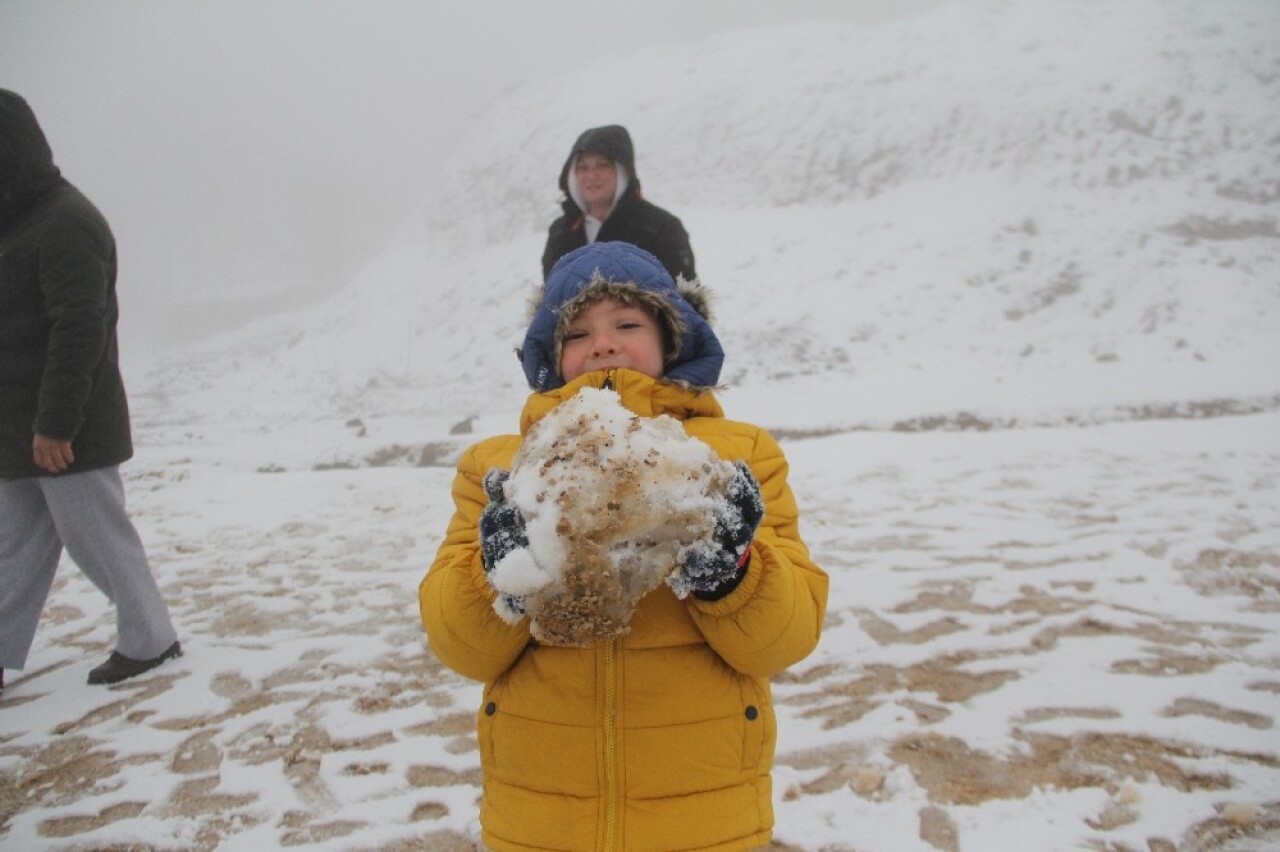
(691, 350)
(598, 289)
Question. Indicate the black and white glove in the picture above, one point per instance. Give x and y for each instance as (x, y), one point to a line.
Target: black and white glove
(713, 569)
(501, 531)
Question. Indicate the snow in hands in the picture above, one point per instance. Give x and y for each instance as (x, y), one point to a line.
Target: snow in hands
(612, 502)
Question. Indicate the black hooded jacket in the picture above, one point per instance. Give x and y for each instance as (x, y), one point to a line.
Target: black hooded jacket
(59, 371)
(633, 219)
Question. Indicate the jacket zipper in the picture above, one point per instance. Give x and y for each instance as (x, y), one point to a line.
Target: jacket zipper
(610, 743)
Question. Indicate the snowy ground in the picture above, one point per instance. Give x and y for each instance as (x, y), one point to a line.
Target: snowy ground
(1037, 639)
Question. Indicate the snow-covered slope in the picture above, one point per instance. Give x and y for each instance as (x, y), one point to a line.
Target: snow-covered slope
(995, 214)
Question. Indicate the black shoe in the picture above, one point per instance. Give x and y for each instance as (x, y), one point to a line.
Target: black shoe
(118, 667)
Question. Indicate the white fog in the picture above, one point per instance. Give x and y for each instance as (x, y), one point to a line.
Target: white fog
(253, 155)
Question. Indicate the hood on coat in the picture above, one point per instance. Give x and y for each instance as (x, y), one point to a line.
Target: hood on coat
(26, 161)
(612, 141)
(693, 354)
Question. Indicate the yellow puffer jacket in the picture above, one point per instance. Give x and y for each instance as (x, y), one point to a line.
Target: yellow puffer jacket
(659, 740)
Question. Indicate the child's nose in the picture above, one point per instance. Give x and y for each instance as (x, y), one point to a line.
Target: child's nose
(603, 343)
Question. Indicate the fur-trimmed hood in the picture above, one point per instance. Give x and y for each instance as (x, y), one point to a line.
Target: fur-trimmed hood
(693, 354)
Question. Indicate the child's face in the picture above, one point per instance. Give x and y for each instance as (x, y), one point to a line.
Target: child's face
(608, 334)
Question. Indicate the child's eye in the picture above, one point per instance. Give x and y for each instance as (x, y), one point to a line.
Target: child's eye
(628, 324)
(574, 335)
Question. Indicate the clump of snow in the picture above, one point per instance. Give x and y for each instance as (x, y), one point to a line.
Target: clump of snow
(1240, 813)
(611, 500)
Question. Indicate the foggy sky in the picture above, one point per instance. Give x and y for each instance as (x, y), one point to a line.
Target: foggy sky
(263, 150)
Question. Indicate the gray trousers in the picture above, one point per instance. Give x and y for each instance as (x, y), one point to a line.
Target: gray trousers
(85, 513)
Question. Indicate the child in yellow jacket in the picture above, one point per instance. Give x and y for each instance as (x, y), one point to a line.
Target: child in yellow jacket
(660, 737)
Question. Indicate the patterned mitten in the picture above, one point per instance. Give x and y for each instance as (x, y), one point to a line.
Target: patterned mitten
(501, 531)
(713, 569)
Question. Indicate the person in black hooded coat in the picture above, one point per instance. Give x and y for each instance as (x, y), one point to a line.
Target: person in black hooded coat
(64, 416)
(603, 203)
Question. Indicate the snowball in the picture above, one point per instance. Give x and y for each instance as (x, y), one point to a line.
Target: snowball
(609, 500)
(518, 574)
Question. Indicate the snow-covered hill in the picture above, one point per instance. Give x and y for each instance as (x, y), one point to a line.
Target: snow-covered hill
(998, 213)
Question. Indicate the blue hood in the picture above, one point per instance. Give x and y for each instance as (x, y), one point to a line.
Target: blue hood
(696, 362)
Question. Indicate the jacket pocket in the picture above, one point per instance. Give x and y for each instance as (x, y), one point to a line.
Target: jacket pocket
(753, 734)
(485, 723)
(759, 728)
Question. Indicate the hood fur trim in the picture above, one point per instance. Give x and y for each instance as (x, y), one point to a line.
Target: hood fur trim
(693, 354)
(598, 288)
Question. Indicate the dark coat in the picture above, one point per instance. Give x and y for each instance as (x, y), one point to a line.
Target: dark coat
(59, 361)
(633, 219)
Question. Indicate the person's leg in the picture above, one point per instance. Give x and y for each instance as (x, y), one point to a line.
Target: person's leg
(89, 511)
(29, 553)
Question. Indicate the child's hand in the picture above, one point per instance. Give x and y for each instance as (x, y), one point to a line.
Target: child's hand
(501, 531)
(713, 569)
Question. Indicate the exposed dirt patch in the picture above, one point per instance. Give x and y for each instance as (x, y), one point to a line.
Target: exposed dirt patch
(840, 762)
(1234, 826)
(451, 725)
(938, 830)
(1213, 710)
(301, 831)
(1164, 663)
(59, 773)
(440, 841)
(429, 811)
(71, 826)
(958, 597)
(438, 776)
(955, 774)
(843, 702)
(197, 755)
(200, 796)
(1045, 714)
(1226, 571)
(1172, 633)
(885, 633)
(136, 692)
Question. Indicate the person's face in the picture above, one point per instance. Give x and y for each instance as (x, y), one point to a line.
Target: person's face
(610, 334)
(597, 180)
